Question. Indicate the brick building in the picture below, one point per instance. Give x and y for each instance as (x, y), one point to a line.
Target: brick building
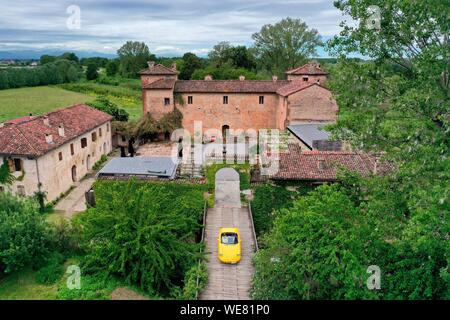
(240, 104)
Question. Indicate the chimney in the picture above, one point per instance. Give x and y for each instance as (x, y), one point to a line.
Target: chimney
(2, 124)
(46, 121)
(274, 78)
(174, 66)
(208, 77)
(61, 130)
(241, 78)
(48, 138)
(151, 64)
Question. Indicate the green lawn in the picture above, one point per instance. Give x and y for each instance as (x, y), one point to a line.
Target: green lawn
(16, 103)
(21, 285)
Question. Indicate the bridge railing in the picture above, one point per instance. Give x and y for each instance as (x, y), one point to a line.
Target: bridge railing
(202, 240)
(253, 225)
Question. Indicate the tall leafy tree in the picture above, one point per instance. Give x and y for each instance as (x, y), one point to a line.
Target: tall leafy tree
(190, 63)
(285, 45)
(133, 57)
(25, 236)
(143, 232)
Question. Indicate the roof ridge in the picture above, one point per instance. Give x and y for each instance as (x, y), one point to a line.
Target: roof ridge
(26, 139)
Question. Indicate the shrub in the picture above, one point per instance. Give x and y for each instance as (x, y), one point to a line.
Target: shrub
(143, 232)
(198, 272)
(25, 236)
(93, 287)
(103, 104)
(52, 271)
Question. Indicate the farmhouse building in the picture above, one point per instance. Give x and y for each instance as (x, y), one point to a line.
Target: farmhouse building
(51, 152)
(240, 104)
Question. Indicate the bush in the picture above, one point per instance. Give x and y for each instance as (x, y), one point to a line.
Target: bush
(103, 104)
(93, 287)
(269, 198)
(102, 160)
(53, 271)
(198, 272)
(25, 236)
(143, 232)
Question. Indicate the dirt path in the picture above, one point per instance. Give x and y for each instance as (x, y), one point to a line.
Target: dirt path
(75, 201)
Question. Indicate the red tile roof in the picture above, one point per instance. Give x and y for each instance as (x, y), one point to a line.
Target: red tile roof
(324, 165)
(167, 84)
(229, 86)
(28, 137)
(296, 86)
(307, 69)
(158, 69)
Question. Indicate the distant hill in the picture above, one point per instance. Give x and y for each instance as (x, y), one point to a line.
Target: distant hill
(36, 54)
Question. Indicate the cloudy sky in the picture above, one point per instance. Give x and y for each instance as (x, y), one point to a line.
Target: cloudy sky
(169, 27)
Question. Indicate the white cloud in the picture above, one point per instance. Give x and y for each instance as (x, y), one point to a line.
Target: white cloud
(171, 27)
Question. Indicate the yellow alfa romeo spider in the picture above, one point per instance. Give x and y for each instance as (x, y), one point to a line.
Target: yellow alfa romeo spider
(229, 245)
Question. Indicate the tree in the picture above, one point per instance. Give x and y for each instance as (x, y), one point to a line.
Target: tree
(91, 72)
(285, 45)
(112, 67)
(143, 232)
(46, 59)
(225, 54)
(25, 236)
(315, 251)
(69, 56)
(103, 104)
(6, 176)
(133, 56)
(190, 63)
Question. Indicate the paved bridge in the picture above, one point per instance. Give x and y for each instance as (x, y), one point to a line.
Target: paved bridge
(226, 281)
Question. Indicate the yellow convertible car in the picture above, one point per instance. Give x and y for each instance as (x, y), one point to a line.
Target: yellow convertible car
(229, 245)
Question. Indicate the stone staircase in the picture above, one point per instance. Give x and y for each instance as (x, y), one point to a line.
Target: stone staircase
(188, 168)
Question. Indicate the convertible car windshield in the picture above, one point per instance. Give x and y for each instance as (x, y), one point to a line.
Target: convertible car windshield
(229, 238)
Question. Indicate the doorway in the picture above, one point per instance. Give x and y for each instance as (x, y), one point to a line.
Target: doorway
(74, 173)
(88, 162)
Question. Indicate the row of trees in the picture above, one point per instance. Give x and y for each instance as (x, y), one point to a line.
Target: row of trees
(60, 71)
(397, 105)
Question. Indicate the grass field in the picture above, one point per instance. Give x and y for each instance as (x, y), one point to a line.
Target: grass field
(21, 285)
(21, 102)
(16, 103)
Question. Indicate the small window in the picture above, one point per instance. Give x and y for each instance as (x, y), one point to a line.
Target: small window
(225, 99)
(21, 191)
(261, 100)
(100, 132)
(83, 142)
(94, 136)
(17, 165)
(167, 101)
(60, 157)
(190, 99)
(107, 127)
(72, 150)
(305, 79)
